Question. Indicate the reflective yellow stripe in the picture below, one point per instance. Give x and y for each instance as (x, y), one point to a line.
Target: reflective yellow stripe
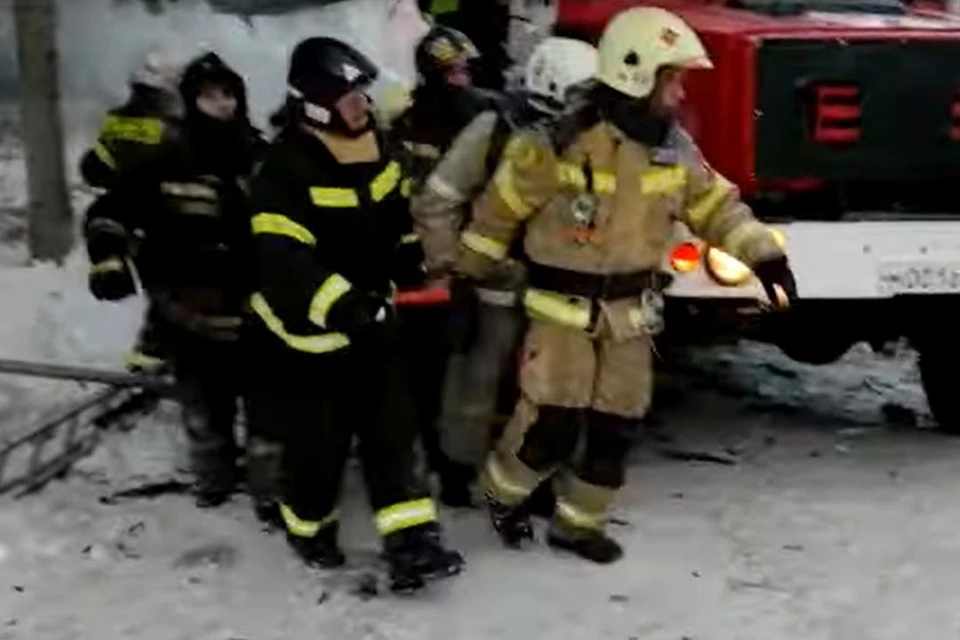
(106, 266)
(503, 487)
(104, 154)
(405, 515)
(141, 130)
(699, 212)
(386, 182)
(319, 343)
(737, 241)
(334, 197)
(189, 190)
(277, 224)
(423, 150)
(604, 182)
(553, 307)
(143, 362)
(406, 187)
(578, 517)
(660, 180)
(507, 190)
(332, 289)
(483, 245)
(305, 528)
(409, 238)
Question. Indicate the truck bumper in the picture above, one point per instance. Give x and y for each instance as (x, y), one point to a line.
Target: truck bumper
(851, 260)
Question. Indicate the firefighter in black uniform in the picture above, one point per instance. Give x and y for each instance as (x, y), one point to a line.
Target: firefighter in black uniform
(133, 134)
(330, 213)
(188, 206)
(444, 102)
(487, 23)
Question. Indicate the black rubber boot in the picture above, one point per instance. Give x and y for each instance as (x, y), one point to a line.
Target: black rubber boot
(595, 546)
(320, 551)
(416, 555)
(455, 481)
(543, 501)
(511, 522)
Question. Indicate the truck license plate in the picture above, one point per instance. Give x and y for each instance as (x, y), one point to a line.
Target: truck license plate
(919, 277)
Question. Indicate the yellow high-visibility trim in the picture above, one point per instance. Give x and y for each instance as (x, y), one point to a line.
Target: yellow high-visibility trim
(503, 486)
(405, 515)
(569, 311)
(332, 289)
(737, 241)
(336, 197)
(104, 154)
(386, 182)
(483, 245)
(604, 182)
(280, 225)
(698, 214)
(305, 528)
(319, 343)
(578, 517)
(507, 190)
(140, 130)
(410, 238)
(106, 266)
(660, 180)
(406, 187)
(143, 362)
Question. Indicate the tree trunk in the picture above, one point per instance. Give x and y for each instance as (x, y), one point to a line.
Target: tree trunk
(50, 228)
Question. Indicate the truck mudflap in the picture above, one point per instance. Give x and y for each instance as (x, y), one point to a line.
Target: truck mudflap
(56, 440)
(854, 259)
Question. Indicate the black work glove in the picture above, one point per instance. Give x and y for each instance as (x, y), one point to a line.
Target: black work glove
(463, 323)
(111, 280)
(774, 274)
(355, 311)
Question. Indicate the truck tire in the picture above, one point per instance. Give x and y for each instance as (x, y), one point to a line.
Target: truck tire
(938, 375)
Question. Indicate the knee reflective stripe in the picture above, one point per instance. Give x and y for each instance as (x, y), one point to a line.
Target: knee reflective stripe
(384, 184)
(484, 245)
(327, 295)
(579, 517)
(104, 154)
(107, 266)
(662, 180)
(405, 515)
(501, 485)
(305, 528)
(334, 197)
(700, 211)
(320, 343)
(553, 307)
(282, 226)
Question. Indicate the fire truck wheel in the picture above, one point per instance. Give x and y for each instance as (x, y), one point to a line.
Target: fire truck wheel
(938, 373)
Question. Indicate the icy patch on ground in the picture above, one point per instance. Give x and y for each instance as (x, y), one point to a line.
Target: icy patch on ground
(862, 387)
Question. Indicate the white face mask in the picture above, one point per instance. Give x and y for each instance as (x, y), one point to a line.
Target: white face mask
(217, 103)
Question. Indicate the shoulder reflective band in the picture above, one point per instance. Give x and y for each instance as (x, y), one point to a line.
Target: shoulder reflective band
(554, 307)
(507, 190)
(483, 245)
(107, 266)
(660, 180)
(699, 211)
(386, 182)
(276, 224)
(579, 518)
(334, 197)
(405, 515)
(141, 130)
(305, 528)
(104, 154)
(332, 289)
(319, 343)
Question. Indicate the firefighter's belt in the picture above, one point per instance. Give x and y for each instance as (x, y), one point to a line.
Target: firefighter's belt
(594, 286)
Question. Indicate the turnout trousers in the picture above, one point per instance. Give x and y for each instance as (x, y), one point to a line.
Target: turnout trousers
(574, 385)
(317, 404)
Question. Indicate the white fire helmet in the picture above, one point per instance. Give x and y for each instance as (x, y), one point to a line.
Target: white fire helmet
(554, 66)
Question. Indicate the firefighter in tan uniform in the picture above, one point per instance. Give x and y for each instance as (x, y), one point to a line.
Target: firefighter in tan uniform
(596, 194)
